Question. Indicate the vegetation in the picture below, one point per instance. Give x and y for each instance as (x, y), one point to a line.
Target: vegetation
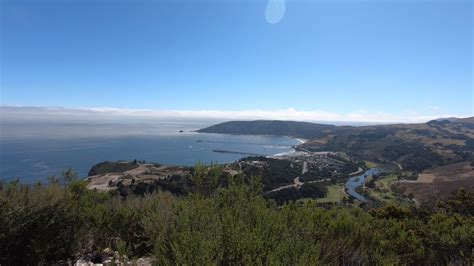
(274, 172)
(307, 190)
(176, 184)
(266, 127)
(413, 147)
(335, 193)
(316, 174)
(370, 164)
(46, 224)
(113, 167)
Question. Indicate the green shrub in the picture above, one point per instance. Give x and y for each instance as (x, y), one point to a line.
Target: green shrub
(231, 224)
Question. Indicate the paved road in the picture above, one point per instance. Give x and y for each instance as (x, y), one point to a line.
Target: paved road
(360, 170)
(296, 182)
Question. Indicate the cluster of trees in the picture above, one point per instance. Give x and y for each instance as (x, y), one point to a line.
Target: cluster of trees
(177, 184)
(469, 144)
(275, 172)
(376, 133)
(422, 159)
(393, 152)
(375, 177)
(396, 144)
(113, 167)
(317, 173)
(271, 127)
(349, 166)
(235, 224)
(307, 190)
(334, 172)
(415, 157)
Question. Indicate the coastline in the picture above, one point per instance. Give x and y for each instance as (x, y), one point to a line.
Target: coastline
(301, 140)
(179, 149)
(293, 151)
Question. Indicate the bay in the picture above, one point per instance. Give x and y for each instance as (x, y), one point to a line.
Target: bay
(34, 160)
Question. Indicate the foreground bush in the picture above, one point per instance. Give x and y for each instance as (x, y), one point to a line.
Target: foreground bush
(231, 225)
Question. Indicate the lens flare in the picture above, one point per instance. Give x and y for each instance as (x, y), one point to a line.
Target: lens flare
(275, 11)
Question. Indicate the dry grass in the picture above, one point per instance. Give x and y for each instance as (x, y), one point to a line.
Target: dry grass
(335, 194)
(143, 173)
(440, 182)
(370, 164)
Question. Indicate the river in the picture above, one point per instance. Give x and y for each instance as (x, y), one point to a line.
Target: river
(357, 181)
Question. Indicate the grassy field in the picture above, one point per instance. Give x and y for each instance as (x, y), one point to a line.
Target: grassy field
(370, 164)
(382, 191)
(335, 194)
(386, 182)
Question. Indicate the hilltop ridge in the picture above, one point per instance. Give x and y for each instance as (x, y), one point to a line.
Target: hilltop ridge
(413, 147)
(270, 127)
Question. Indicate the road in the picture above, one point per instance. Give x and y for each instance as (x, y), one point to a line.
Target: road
(360, 170)
(399, 166)
(296, 182)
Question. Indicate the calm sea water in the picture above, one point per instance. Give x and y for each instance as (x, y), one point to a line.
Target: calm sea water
(35, 159)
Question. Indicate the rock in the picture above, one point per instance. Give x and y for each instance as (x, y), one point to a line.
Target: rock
(81, 263)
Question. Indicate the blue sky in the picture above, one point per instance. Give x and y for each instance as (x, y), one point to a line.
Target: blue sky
(341, 57)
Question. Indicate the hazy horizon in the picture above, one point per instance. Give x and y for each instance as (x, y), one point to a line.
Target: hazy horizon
(57, 122)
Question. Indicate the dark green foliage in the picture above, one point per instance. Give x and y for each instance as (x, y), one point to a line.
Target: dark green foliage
(48, 223)
(227, 226)
(461, 203)
(34, 226)
(375, 133)
(307, 190)
(275, 173)
(316, 174)
(414, 156)
(266, 127)
(421, 159)
(349, 167)
(469, 145)
(176, 184)
(424, 132)
(205, 180)
(112, 167)
(371, 183)
(393, 152)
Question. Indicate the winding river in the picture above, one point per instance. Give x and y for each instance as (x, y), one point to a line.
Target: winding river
(357, 181)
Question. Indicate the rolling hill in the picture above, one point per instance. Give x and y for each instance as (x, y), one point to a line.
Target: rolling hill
(271, 127)
(412, 147)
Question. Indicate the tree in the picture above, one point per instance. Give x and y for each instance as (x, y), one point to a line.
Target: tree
(68, 176)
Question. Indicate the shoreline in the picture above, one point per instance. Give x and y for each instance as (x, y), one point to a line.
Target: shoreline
(282, 154)
(301, 140)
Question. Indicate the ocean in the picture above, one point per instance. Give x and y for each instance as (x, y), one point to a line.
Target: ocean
(35, 159)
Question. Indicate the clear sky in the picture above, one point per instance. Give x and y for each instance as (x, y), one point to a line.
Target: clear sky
(392, 57)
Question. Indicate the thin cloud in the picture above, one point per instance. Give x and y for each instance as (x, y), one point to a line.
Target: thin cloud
(125, 114)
